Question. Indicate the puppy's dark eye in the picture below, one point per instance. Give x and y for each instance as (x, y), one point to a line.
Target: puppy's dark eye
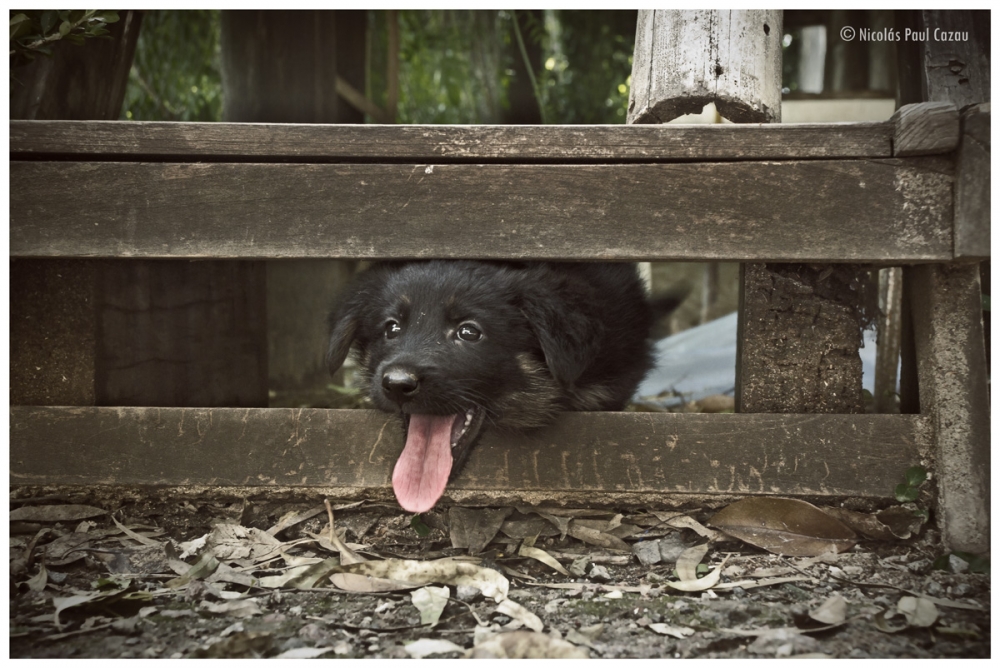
(469, 332)
(392, 329)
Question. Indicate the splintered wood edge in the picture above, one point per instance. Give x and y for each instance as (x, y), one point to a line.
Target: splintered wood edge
(623, 456)
(926, 128)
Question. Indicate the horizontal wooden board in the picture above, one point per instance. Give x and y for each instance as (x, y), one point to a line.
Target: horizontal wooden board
(888, 210)
(235, 142)
(627, 453)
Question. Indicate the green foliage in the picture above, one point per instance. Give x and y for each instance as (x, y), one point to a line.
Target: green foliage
(34, 32)
(457, 66)
(587, 65)
(976, 563)
(417, 524)
(450, 66)
(176, 73)
(907, 492)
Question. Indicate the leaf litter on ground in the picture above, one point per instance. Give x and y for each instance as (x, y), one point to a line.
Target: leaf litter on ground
(250, 551)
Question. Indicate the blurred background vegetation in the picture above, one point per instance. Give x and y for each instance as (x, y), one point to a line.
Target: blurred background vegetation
(176, 72)
(455, 66)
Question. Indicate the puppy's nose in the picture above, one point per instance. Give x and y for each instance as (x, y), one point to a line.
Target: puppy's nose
(400, 384)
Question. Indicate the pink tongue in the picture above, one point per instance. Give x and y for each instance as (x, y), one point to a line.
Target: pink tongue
(422, 470)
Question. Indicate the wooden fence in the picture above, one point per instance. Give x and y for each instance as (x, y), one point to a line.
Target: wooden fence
(881, 193)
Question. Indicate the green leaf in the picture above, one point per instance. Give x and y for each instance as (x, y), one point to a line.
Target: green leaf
(905, 493)
(20, 24)
(65, 27)
(942, 563)
(110, 17)
(418, 525)
(48, 21)
(977, 563)
(112, 582)
(915, 475)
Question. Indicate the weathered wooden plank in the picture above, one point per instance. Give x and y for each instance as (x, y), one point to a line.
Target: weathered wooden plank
(857, 211)
(434, 143)
(972, 185)
(627, 453)
(926, 128)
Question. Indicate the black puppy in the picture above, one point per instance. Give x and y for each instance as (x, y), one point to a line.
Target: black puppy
(453, 346)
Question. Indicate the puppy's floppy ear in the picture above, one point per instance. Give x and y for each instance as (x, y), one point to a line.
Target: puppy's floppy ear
(568, 339)
(343, 327)
(349, 314)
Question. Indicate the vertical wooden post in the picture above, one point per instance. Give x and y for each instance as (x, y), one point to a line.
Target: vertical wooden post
(945, 300)
(785, 361)
(686, 59)
(951, 367)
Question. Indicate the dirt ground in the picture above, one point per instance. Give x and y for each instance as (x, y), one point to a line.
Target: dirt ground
(107, 573)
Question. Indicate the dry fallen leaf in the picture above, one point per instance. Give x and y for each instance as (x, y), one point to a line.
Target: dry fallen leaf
(679, 632)
(231, 541)
(425, 647)
(441, 571)
(242, 608)
(703, 584)
(599, 538)
(542, 556)
(520, 615)
(832, 611)
(40, 579)
(918, 611)
(474, 528)
(784, 526)
(525, 645)
(687, 563)
(430, 601)
(304, 653)
(60, 513)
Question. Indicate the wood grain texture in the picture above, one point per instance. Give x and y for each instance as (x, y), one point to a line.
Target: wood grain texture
(954, 393)
(956, 50)
(926, 128)
(871, 210)
(179, 333)
(257, 142)
(650, 453)
(972, 185)
(686, 59)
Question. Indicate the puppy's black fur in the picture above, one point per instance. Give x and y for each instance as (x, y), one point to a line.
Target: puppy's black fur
(458, 346)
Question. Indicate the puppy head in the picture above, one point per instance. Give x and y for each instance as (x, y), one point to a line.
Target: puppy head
(448, 346)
